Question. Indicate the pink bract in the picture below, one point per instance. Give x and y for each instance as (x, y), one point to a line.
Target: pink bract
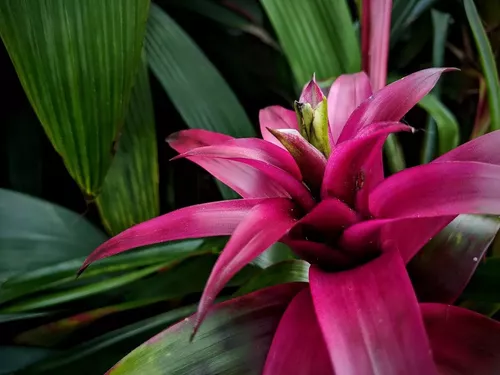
(338, 212)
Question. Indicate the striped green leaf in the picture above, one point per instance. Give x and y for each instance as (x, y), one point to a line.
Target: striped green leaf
(317, 36)
(487, 61)
(130, 191)
(77, 61)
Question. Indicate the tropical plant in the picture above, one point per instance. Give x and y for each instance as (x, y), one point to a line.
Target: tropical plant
(368, 276)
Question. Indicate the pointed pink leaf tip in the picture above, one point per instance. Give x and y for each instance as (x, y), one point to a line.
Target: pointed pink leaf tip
(204, 220)
(392, 102)
(264, 225)
(312, 93)
(276, 117)
(186, 140)
(310, 161)
(346, 94)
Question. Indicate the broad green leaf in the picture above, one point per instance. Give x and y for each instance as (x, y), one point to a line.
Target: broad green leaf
(485, 284)
(234, 339)
(63, 274)
(176, 284)
(280, 273)
(196, 88)
(79, 292)
(77, 61)
(129, 194)
(440, 22)
(53, 333)
(98, 355)
(442, 269)
(448, 130)
(35, 233)
(13, 358)
(487, 62)
(317, 36)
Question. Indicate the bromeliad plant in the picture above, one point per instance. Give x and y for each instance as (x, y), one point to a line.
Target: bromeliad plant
(316, 182)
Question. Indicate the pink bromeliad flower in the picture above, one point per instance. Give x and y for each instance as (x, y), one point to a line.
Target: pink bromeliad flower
(315, 182)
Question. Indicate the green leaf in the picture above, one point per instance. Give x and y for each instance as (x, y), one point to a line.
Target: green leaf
(442, 269)
(65, 272)
(35, 233)
(53, 333)
(278, 252)
(98, 355)
(77, 61)
(317, 36)
(165, 283)
(487, 62)
(440, 22)
(174, 283)
(448, 130)
(129, 194)
(485, 284)
(79, 292)
(196, 88)
(5, 318)
(280, 273)
(234, 339)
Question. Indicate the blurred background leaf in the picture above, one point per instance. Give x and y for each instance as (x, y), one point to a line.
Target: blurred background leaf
(487, 62)
(35, 233)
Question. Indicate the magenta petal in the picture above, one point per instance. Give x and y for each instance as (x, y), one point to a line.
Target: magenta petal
(376, 28)
(186, 140)
(392, 102)
(352, 166)
(370, 319)
(438, 189)
(274, 163)
(298, 346)
(329, 215)
(276, 117)
(311, 93)
(483, 149)
(406, 235)
(264, 225)
(247, 181)
(203, 220)
(311, 162)
(317, 252)
(346, 94)
(252, 149)
(463, 342)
